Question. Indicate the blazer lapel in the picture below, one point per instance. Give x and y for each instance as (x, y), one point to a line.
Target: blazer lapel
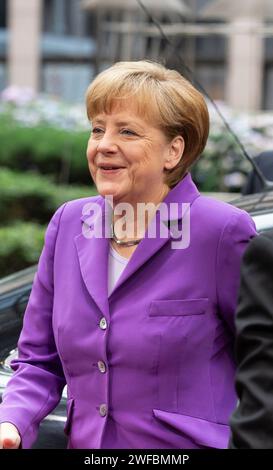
(145, 250)
(184, 192)
(93, 258)
(93, 251)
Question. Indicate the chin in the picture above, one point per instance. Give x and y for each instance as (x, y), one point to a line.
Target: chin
(108, 190)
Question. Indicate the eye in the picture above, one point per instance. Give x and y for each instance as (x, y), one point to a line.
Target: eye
(128, 132)
(97, 130)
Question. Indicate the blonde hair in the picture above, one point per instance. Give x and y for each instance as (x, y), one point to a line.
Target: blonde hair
(161, 96)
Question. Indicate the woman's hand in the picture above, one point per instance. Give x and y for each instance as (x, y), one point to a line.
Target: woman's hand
(9, 436)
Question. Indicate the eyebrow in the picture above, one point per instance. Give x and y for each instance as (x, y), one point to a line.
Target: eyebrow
(120, 123)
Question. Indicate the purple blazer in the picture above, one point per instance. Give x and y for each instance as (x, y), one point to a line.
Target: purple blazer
(151, 366)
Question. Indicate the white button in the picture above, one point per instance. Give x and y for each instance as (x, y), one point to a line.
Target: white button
(103, 323)
(103, 409)
(101, 366)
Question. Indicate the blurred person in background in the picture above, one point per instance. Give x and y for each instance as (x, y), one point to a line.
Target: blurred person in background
(253, 184)
(252, 421)
(140, 329)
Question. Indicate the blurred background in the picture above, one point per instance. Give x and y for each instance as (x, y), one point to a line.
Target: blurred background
(50, 50)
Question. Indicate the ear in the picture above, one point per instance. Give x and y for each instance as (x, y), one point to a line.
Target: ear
(176, 150)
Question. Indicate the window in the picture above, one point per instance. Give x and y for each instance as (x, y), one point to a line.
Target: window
(64, 17)
(3, 13)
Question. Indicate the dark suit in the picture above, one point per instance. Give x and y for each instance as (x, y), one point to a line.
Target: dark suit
(252, 421)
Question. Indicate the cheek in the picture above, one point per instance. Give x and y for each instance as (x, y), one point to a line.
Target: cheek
(90, 152)
(150, 159)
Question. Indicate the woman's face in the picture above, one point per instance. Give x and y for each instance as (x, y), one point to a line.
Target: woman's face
(126, 157)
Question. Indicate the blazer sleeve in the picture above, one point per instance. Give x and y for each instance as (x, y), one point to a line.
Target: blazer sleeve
(236, 235)
(252, 421)
(38, 379)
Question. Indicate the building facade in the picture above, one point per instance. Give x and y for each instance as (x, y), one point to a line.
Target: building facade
(67, 44)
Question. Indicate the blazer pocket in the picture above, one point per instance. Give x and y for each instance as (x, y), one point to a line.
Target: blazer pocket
(201, 431)
(179, 307)
(70, 408)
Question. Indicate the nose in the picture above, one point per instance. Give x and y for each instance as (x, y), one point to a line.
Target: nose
(107, 143)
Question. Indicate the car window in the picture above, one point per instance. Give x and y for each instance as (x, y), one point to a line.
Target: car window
(17, 280)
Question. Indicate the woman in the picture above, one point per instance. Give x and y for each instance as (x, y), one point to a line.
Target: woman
(139, 325)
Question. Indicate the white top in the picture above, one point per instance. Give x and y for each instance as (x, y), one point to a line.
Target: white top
(116, 265)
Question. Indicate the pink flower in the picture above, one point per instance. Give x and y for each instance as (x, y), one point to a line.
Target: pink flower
(17, 95)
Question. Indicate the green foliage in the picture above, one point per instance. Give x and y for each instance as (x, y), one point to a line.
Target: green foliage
(221, 157)
(27, 202)
(20, 246)
(30, 196)
(46, 149)
(42, 164)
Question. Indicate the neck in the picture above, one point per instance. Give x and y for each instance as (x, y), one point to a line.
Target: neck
(132, 224)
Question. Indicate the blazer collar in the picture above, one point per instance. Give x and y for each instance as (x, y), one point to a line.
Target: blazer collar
(184, 192)
(93, 251)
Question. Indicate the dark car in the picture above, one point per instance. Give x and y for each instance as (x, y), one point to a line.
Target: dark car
(14, 294)
(260, 207)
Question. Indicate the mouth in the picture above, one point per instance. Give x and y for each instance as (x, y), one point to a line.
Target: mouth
(110, 170)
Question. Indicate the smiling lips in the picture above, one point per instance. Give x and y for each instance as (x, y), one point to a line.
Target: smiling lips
(110, 169)
(107, 166)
